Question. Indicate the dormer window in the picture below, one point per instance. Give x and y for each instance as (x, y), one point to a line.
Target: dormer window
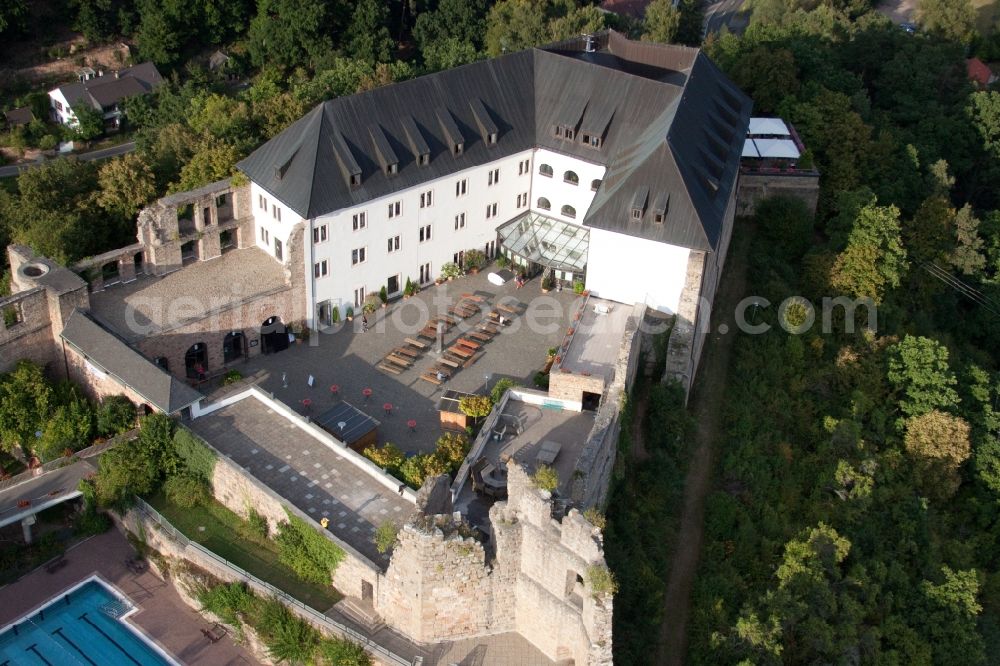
(355, 180)
(491, 139)
(636, 213)
(557, 131)
(391, 169)
(658, 218)
(459, 147)
(423, 159)
(568, 134)
(591, 140)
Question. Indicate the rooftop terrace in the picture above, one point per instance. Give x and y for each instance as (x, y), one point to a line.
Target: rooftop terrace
(151, 305)
(597, 338)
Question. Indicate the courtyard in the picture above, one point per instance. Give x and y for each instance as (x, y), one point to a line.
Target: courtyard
(345, 358)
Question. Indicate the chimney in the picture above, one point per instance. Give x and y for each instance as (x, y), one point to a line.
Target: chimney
(588, 43)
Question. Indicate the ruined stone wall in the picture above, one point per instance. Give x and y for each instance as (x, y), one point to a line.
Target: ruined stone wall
(756, 186)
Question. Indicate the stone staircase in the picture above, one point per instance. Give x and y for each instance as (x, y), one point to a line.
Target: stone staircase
(360, 612)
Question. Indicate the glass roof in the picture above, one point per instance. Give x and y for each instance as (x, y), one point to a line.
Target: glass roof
(547, 241)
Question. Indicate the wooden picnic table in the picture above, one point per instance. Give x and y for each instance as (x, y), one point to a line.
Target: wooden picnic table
(507, 309)
(432, 378)
(389, 367)
(489, 327)
(459, 350)
(429, 332)
(465, 342)
(398, 360)
(406, 352)
(472, 297)
(449, 362)
(445, 319)
(416, 343)
(480, 335)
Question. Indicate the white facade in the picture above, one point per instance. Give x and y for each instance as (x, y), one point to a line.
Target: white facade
(273, 222)
(60, 108)
(382, 250)
(559, 191)
(634, 270)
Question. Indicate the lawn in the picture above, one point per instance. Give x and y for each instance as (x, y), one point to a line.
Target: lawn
(220, 530)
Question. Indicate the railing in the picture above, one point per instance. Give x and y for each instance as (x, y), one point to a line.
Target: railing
(59, 463)
(314, 615)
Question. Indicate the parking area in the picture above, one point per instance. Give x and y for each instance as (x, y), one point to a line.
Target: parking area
(345, 358)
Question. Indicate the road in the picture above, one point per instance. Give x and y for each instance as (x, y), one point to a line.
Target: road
(725, 13)
(103, 153)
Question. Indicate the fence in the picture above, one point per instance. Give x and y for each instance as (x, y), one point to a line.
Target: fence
(59, 463)
(310, 613)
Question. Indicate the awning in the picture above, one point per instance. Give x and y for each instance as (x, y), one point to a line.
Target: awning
(784, 148)
(749, 149)
(547, 241)
(768, 127)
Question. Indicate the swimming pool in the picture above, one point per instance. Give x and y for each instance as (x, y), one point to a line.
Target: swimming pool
(83, 625)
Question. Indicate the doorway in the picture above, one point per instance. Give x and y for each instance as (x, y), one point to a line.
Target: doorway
(273, 336)
(367, 592)
(591, 401)
(392, 285)
(196, 361)
(233, 346)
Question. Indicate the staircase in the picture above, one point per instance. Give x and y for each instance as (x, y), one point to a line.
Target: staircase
(360, 612)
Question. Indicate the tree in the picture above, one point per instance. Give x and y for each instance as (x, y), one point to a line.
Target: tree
(448, 53)
(96, 19)
(928, 236)
(127, 184)
(787, 225)
(212, 160)
(370, 41)
(661, 22)
(918, 369)
(13, 17)
(460, 23)
(476, 406)
(583, 20)
(874, 259)
(949, 613)
(984, 111)
(290, 33)
(768, 75)
(496, 393)
(452, 448)
(115, 415)
(967, 256)
(159, 32)
(26, 399)
(952, 19)
(89, 121)
(513, 25)
(939, 444)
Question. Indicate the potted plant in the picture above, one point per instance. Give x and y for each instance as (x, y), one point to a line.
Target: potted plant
(475, 260)
(502, 261)
(383, 295)
(371, 303)
(349, 313)
(409, 289)
(548, 283)
(335, 315)
(577, 287)
(450, 270)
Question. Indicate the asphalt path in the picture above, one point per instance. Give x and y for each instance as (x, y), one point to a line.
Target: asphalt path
(725, 13)
(103, 153)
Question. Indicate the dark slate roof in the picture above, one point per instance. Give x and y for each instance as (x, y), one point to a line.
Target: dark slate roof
(101, 92)
(668, 120)
(357, 424)
(19, 116)
(130, 368)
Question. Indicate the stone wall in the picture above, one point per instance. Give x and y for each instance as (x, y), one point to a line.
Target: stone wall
(29, 335)
(572, 385)
(755, 186)
(94, 382)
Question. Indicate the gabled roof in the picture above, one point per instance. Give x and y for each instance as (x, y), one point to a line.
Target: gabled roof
(978, 71)
(107, 90)
(111, 354)
(666, 118)
(19, 116)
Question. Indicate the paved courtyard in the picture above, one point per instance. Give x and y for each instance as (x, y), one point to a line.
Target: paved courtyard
(305, 471)
(348, 357)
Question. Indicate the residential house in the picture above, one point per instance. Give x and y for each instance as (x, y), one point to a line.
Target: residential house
(103, 92)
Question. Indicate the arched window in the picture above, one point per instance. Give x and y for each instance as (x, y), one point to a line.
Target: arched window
(544, 203)
(196, 361)
(545, 170)
(571, 178)
(569, 211)
(594, 184)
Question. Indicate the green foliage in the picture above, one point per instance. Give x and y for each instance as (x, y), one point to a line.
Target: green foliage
(197, 459)
(874, 260)
(954, 20)
(409, 289)
(416, 469)
(661, 22)
(546, 478)
(341, 652)
(474, 259)
(787, 224)
(232, 377)
(26, 399)
(257, 525)
(383, 295)
(186, 490)
(451, 449)
(230, 601)
(501, 387)
(116, 414)
(918, 369)
(135, 468)
(475, 406)
(541, 380)
(601, 581)
(306, 551)
(389, 456)
(595, 517)
(369, 36)
(290, 33)
(69, 428)
(288, 637)
(89, 122)
(126, 184)
(385, 536)
(450, 270)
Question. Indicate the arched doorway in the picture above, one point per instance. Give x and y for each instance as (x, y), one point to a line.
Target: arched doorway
(273, 336)
(196, 361)
(233, 346)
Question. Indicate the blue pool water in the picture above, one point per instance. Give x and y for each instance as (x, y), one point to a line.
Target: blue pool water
(80, 627)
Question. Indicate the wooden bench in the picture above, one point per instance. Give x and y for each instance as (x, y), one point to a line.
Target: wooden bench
(480, 336)
(507, 309)
(449, 362)
(459, 350)
(407, 352)
(432, 378)
(445, 319)
(55, 564)
(399, 360)
(465, 342)
(388, 367)
(416, 343)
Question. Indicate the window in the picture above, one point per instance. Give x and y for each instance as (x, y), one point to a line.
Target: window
(461, 187)
(392, 168)
(523, 167)
(568, 133)
(59, 106)
(320, 269)
(395, 209)
(426, 199)
(355, 179)
(359, 296)
(358, 256)
(459, 147)
(360, 221)
(493, 177)
(544, 203)
(522, 200)
(278, 250)
(425, 273)
(393, 243)
(264, 236)
(636, 213)
(545, 170)
(458, 258)
(595, 142)
(425, 233)
(658, 218)
(276, 213)
(459, 221)
(557, 130)
(491, 139)
(423, 159)
(594, 184)
(319, 234)
(569, 211)
(262, 202)
(571, 178)
(491, 211)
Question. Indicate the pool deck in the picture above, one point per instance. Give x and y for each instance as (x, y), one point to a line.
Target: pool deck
(162, 616)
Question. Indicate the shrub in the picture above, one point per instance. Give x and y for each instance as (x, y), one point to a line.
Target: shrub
(232, 377)
(70, 427)
(389, 457)
(197, 458)
(290, 638)
(308, 553)
(476, 406)
(502, 261)
(548, 282)
(546, 478)
(385, 536)
(452, 449)
(229, 601)
(474, 260)
(186, 491)
(602, 582)
(577, 287)
(48, 142)
(417, 469)
(496, 393)
(383, 295)
(256, 525)
(409, 289)
(372, 301)
(341, 652)
(450, 270)
(541, 380)
(116, 414)
(335, 314)
(595, 517)
(349, 313)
